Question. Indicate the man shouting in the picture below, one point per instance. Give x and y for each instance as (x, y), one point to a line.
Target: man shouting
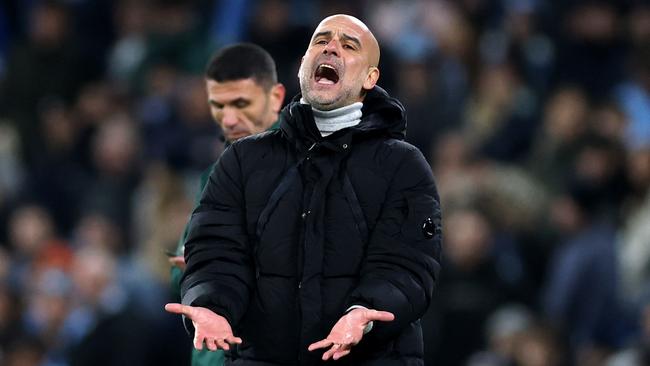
(320, 240)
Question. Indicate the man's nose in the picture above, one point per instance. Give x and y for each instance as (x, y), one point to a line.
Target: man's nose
(332, 47)
(229, 118)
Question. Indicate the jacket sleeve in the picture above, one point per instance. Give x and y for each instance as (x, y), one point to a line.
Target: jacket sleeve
(219, 273)
(176, 273)
(403, 255)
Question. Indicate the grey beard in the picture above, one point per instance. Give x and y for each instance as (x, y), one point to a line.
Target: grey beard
(337, 101)
(326, 104)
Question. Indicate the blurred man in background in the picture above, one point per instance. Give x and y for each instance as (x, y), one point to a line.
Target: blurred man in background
(244, 97)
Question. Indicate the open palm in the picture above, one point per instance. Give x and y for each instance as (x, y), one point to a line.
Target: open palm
(209, 327)
(348, 331)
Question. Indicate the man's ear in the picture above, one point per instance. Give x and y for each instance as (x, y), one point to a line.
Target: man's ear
(371, 79)
(277, 94)
(300, 66)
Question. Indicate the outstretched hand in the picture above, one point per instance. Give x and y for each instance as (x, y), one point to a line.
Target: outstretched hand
(348, 331)
(209, 327)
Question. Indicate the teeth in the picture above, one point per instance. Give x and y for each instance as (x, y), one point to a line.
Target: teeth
(325, 81)
(327, 66)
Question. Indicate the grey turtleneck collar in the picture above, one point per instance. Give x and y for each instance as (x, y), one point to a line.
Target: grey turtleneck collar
(329, 122)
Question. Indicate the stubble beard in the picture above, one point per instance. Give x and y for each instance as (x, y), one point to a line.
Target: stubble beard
(318, 100)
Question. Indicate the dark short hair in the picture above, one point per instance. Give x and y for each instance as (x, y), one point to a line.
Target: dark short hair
(243, 61)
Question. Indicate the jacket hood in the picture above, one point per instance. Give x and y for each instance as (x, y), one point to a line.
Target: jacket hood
(381, 114)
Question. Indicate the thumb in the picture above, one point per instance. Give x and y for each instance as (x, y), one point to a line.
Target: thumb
(176, 308)
(384, 316)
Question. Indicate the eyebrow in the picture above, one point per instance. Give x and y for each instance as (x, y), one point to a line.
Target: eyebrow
(230, 102)
(344, 37)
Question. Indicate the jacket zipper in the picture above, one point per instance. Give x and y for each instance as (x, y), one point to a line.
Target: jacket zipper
(301, 261)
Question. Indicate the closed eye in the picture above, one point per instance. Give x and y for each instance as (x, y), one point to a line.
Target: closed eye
(241, 103)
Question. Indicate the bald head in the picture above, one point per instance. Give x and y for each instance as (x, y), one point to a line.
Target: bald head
(368, 40)
(341, 63)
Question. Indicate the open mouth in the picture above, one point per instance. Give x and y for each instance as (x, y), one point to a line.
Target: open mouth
(326, 74)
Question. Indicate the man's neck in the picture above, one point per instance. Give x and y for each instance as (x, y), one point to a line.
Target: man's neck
(334, 120)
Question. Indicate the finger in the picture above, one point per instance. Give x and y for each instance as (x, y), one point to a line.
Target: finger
(233, 340)
(320, 344)
(330, 352)
(177, 262)
(198, 341)
(174, 308)
(223, 344)
(211, 344)
(383, 316)
(188, 311)
(178, 259)
(340, 354)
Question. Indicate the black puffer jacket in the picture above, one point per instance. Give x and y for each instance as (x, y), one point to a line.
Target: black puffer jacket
(293, 229)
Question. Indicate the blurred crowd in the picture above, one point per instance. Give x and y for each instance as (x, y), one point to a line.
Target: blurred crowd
(534, 115)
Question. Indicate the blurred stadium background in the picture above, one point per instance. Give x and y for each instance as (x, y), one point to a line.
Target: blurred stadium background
(534, 115)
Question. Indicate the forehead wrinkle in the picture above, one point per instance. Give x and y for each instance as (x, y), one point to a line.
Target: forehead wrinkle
(344, 36)
(367, 38)
(322, 34)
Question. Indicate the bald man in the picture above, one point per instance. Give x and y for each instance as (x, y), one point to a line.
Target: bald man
(321, 240)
